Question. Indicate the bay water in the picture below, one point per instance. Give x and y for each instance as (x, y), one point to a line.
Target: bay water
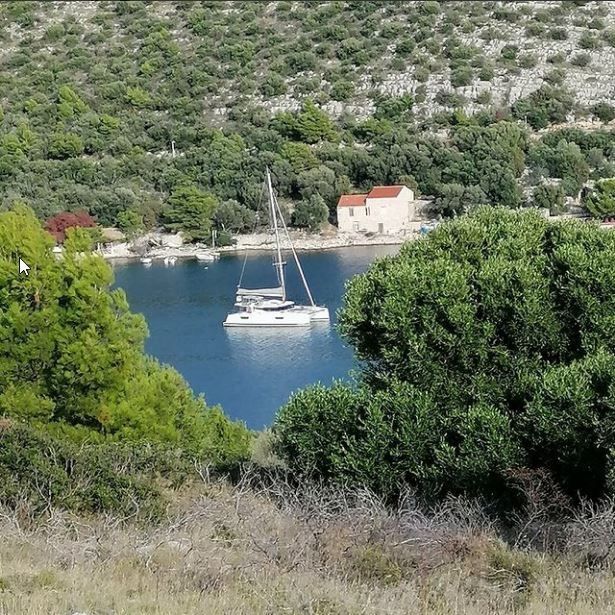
(249, 372)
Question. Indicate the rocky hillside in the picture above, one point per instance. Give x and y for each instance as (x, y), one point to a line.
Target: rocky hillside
(130, 110)
(345, 54)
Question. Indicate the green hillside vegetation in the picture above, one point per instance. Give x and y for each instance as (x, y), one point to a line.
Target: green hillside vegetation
(487, 351)
(93, 96)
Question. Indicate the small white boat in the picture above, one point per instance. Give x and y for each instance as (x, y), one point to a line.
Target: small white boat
(146, 260)
(170, 260)
(207, 257)
(270, 307)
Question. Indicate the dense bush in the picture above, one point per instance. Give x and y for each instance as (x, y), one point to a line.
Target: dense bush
(600, 201)
(544, 106)
(562, 159)
(72, 353)
(233, 217)
(190, 211)
(310, 213)
(604, 112)
(42, 471)
(486, 348)
(549, 197)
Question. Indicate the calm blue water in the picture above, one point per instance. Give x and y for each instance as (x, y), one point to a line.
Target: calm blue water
(250, 372)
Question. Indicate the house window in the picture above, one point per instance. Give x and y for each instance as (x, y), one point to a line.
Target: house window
(367, 211)
(351, 212)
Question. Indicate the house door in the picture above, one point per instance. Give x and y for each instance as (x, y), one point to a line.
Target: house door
(380, 227)
(355, 226)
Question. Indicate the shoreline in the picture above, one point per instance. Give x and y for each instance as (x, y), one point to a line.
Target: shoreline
(258, 242)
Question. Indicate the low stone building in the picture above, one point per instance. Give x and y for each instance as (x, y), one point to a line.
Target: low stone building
(386, 210)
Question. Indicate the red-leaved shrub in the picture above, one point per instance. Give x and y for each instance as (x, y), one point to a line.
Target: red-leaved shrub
(58, 224)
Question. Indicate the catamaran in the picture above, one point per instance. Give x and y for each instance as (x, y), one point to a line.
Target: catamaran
(270, 307)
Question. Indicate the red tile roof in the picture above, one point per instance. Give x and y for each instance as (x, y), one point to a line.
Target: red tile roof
(351, 200)
(384, 192)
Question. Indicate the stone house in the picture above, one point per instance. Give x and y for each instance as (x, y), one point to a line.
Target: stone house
(388, 210)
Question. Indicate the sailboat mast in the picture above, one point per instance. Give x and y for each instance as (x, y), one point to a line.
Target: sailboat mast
(296, 257)
(279, 264)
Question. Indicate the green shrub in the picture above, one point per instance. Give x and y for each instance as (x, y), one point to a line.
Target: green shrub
(95, 382)
(461, 76)
(394, 108)
(449, 99)
(421, 73)
(44, 471)
(596, 24)
(604, 112)
(544, 106)
(310, 213)
(233, 217)
(558, 34)
(534, 28)
(556, 58)
(527, 61)
(609, 37)
(483, 97)
(506, 14)
(405, 47)
(273, 85)
(486, 73)
(556, 76)
(509, 52)
(486, 346)
(224, 238)
(342, 90)
(581, 59)
(600, 202)
(190, 211)
(587, 40)
(549, 197)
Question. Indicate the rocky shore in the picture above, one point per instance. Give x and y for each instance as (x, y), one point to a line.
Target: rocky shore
(161, 247)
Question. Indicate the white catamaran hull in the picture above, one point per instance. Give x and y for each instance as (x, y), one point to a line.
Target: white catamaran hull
(298, 316)
(319, 314)
(268, 319)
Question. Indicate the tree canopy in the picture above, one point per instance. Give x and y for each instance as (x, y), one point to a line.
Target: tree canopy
(311, 213)
(600, 201)
(179, 103)
(190, 211)
(72, 352)
(487, 349)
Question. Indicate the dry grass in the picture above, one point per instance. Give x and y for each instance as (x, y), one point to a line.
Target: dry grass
(246, 550)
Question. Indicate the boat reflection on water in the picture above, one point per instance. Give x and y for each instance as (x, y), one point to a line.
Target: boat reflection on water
(266, 348)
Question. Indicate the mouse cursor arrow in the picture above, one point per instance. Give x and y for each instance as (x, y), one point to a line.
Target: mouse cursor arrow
(23, 267)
